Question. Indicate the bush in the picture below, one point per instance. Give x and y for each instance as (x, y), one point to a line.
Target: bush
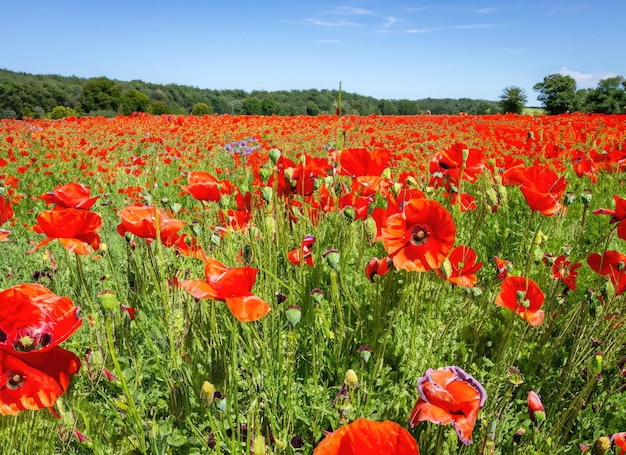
(60, 112)
(201, 109)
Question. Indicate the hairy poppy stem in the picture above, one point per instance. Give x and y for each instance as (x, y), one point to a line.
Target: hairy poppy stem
(138, 427)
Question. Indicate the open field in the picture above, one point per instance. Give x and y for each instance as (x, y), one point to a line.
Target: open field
(248, 284)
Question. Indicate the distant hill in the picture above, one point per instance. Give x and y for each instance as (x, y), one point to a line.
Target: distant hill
(31, 95)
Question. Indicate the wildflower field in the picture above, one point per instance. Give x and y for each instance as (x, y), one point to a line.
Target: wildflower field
(331, 284)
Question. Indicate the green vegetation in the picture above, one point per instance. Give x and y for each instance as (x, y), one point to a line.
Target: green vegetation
(34, 96)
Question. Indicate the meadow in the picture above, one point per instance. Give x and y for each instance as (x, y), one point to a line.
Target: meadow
(251, 284)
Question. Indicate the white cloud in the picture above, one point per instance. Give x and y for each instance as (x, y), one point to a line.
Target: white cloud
(332, 24)
(350, 11)
(327, 41)
(472, 26)
(486, 10)
(389, 22)
(587, 80)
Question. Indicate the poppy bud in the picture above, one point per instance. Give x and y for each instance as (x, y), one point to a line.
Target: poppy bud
(208, 393)
(258, 447)
(585, 196)
(351, 379)
(294, 314)
(396, 188)
(265, 174)
(365, 351)
(274, 155)
(411, 182)
(267, 193)
(386, 174)
(370, 229)
(569, 198)
(332, 256)
(109, 301)
(349, 213)
(602, 445)
(536, 411)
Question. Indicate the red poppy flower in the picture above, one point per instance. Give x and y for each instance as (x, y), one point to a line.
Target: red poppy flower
(71, 195)
(377, 267)
(462, 268)
(141, 221)
(34, 371)
(357, 162)
(231, 285)
(205, 187)
(6, 210)
(617, 216)
(565, 271)
(536, 411)
(619, 439)
(420, 237)
(446, 167)
(449, 395)
(35, 381)
(76, 229)
(522, 295)
(503, 267)
(303, 255)
(541, 186)
(368, 437)
(32, 318)
(612, 265)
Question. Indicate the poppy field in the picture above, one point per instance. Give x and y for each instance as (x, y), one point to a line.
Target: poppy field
(328, 285)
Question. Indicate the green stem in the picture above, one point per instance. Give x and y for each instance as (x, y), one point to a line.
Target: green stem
(120, 375)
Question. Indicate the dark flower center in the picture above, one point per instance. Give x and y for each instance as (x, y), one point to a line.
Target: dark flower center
(14, 380)
(419, 235)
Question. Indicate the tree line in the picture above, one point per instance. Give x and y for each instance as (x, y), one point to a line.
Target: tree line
(52, 96)
(559, 94)
(25, 95)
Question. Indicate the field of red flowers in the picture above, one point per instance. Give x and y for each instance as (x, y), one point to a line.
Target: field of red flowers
(243, 284)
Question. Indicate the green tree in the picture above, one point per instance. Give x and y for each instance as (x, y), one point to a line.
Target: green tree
(513, 100)
(557, 93)
(100, 94)
(268, 107)
(134, 101)
(201, 109)
(387, 107)
(159, 108)
(59, 112)
(252, 106)
(406, 107)
(609, 97)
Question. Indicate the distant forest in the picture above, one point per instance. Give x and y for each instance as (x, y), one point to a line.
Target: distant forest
(25, 95)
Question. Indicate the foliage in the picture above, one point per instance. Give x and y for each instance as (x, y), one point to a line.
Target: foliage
(609, 97)
(134, 101)
(60, 112)
(159, 108)
(557, 93)
(47, 91)
(100, 94)
(201, 109)
(513, 100)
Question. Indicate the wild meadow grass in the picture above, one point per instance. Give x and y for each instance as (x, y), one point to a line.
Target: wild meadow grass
(183, 375)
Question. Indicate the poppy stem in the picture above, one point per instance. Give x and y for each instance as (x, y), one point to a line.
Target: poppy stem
(120, 375)
(81, 278)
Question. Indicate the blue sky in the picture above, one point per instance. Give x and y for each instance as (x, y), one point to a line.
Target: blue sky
(393, 49)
